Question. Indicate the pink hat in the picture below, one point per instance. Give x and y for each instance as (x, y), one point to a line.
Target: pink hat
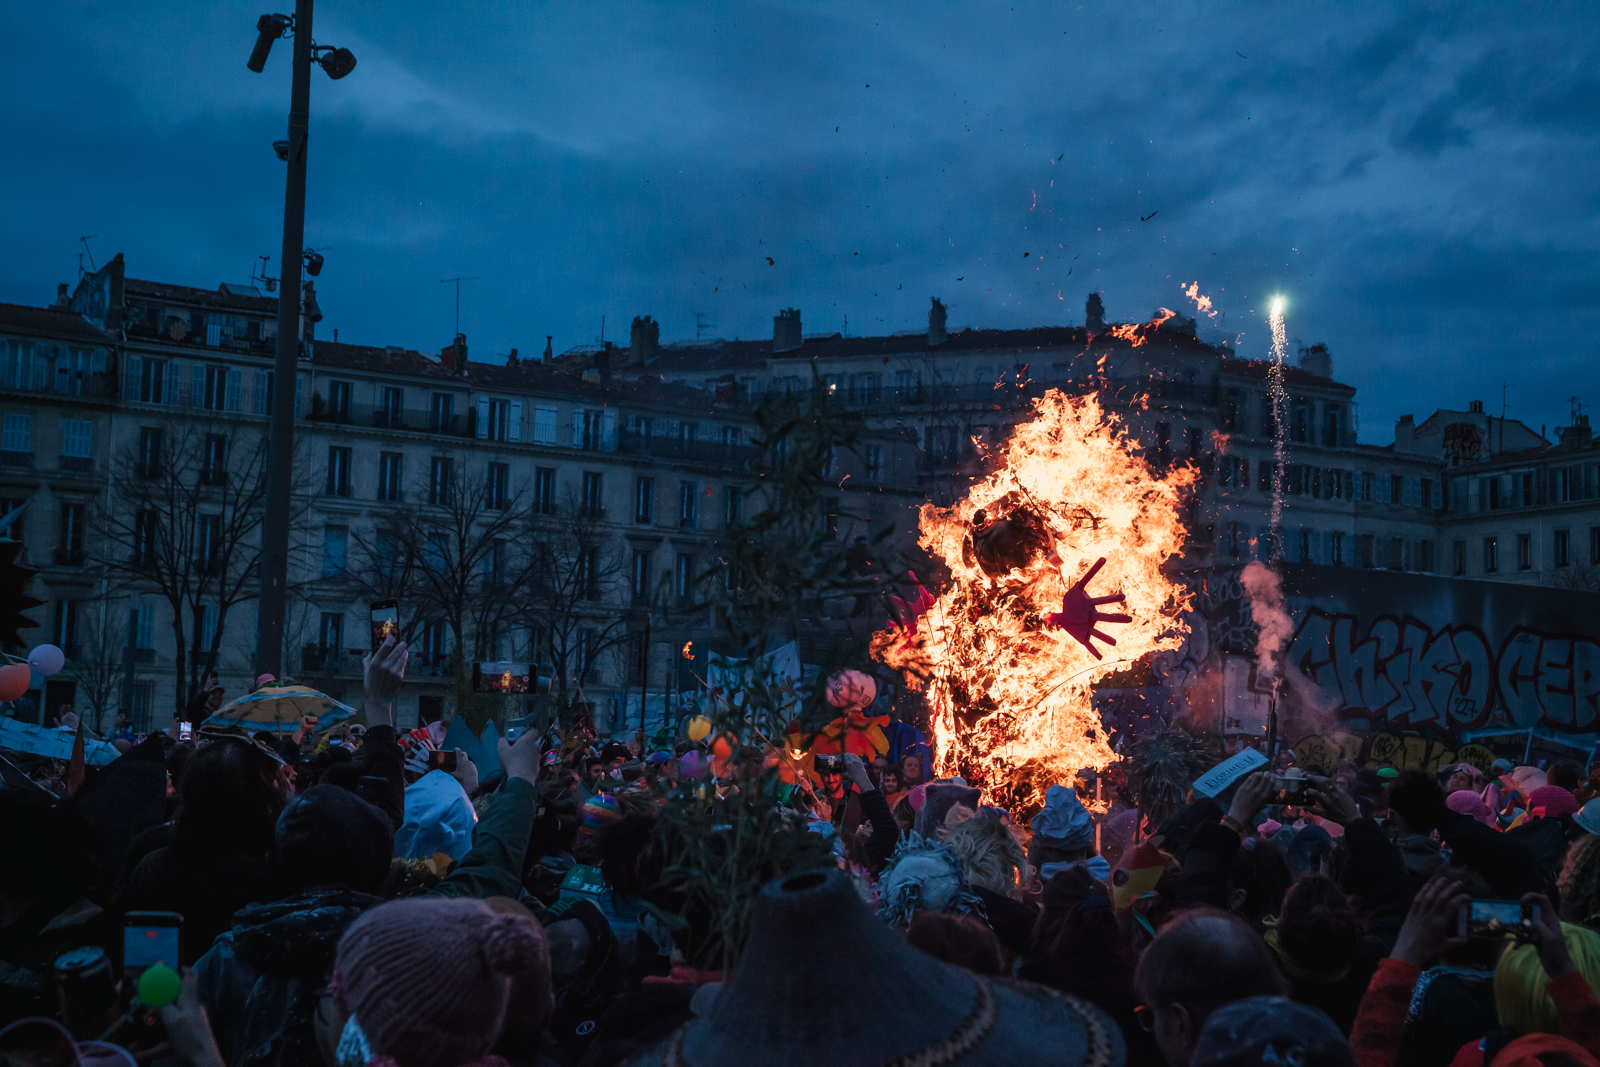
(1553, 800)
(263, 679)
(1466, 802)
(918, 796)
(428, 980)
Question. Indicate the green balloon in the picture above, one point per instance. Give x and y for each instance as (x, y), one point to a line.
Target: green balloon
(159, 986)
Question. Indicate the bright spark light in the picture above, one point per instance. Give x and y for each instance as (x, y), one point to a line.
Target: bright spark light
(1277, 306)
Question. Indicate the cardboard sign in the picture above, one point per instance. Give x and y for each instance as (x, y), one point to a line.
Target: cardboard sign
(57, 744)
(1228, 771)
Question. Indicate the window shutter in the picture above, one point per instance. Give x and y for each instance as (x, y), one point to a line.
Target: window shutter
(299, 395)
(544, 425)
(577, 427)
(235, 387)
(197, 386)
(609, 442)
(514, 432)
(130, 378)
(483, 416)
(170, 382)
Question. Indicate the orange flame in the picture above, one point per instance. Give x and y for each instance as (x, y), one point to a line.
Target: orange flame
(1009, 692)
(1202, 303)
(1138, 333)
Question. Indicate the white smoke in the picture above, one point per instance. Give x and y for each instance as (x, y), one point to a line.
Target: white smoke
(1269, 611)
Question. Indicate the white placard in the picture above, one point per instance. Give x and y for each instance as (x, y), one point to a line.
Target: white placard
(1228, 771)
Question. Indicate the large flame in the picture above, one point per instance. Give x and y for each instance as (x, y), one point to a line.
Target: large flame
(1010, 690)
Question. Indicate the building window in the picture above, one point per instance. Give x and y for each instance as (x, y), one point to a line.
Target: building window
(732, 505)
(1425, 557)
(688, 504)
(1364, 545)
(683, 578)
(499, 481)
(1330, 426)
(1306, 554)
(641, 575)
(16, 440)
(1264, 471)
(1427, 493)
(1562, 548)
(145, 533)
(1397, 554)
(442, 416)
(69, 550)
(338, 471)
(1524, 552)
(588, 650)
(544, 490)
(339, 400)
(152, 383)
(1232, 411)
(589, 572)
(77, 445)
(441, 481)
(389, 476)
(1194, 441)
(1235, 540)
(830, 517)
(644, 500)
(213, 383)
(587, 429)
(1491, 555)
(433, 644)
(1594, 544)
(593, 505)
(393, 412)
(1269, 420)
(65, 634)
(872, 455)
(332, 636)
(499, 418)
(1336, 549)
(208, 544)
(335, 548)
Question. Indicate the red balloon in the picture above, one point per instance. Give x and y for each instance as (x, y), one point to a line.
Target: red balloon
(14, 678)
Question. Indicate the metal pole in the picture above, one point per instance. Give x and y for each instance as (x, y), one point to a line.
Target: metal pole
(280, 456)
(644, 682)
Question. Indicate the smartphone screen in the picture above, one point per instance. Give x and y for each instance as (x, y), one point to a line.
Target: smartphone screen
(501, 677)
(1496, 918)
(385, 621)
(185, 731)
(149, 938)
(442, 761)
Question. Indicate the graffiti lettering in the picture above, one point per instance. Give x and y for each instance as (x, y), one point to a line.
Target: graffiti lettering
(1401, 672)
(1550, 680)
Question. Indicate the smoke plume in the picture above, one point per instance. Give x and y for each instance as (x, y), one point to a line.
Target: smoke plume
(1270, 613)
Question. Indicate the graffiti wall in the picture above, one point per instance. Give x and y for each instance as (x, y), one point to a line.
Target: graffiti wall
(1419, 660)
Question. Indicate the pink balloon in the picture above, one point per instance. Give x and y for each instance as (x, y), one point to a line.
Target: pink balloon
(14, 679)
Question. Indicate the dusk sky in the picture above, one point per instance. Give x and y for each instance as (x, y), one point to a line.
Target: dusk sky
(1420, 182)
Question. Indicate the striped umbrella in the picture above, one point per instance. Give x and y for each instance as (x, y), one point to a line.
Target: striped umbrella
(280, 707)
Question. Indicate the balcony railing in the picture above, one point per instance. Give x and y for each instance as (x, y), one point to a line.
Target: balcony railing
(69, 557)
(77, 465)
(16, 459)
(716, 452)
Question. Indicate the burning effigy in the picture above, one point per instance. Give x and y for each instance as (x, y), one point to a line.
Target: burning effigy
(1056, 576)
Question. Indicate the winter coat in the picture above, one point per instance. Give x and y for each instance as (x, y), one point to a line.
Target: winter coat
(262, 980)
(205, 886)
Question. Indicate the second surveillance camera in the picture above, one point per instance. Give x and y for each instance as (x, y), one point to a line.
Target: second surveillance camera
(282, 148)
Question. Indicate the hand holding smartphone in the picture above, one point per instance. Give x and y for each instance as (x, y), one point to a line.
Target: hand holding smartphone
(1497, 920)
(385, 619)
(149, 938)
(442, 761)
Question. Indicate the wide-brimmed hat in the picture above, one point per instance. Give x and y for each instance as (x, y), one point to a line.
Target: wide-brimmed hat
(781, 1006)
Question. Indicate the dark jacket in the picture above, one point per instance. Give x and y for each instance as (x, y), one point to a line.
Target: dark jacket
(205, 886)
(1510, 866)
(262, 980)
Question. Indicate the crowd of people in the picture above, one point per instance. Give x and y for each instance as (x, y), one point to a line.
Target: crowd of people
(366, 902)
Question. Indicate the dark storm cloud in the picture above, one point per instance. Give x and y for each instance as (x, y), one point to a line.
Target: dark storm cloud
(1417, 181)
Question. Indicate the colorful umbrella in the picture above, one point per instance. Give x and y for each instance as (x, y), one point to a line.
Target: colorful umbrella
(280, 707)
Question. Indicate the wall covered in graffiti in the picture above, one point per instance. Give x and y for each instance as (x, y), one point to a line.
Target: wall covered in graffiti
(1378, 652)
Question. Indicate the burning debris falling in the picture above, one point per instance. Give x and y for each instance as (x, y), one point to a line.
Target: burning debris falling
(1006, 652)
(1280, 422)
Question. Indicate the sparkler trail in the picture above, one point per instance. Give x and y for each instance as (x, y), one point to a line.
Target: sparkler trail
(1280, 417)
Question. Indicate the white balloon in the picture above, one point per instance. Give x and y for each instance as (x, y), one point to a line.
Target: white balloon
(47, 660)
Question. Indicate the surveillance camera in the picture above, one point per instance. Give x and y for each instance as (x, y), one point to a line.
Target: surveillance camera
(282, 148)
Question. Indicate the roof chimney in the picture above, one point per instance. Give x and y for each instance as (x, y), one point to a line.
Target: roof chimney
(63, 299)
(786, 331)
(1317, 360)
(644, 338)
(1094, 313)
(1576, 436)
(513, 360)
(549, 343)
(1475, 407)
(936, 334)
(454, 355)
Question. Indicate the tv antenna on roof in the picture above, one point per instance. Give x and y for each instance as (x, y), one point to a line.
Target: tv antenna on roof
(458, 281)
(86, 248)
(702, 324)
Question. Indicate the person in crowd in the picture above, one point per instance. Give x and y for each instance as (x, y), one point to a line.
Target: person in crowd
(206, 700)
(1417, 804)
(1579, 883)
(1270, 1032)
(963, 940)
(1542, 986)
(1063, 833)
(1200, 961)
(230, 796)
(428, 983)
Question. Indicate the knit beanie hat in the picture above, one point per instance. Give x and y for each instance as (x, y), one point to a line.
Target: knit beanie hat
(601, 811)
(1466, 802)
(1552, 801)
(427, 980)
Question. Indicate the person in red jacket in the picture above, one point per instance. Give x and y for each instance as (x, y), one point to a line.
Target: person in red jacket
(1429, 930)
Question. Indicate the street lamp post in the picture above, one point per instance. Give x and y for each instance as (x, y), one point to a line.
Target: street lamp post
(280, 457)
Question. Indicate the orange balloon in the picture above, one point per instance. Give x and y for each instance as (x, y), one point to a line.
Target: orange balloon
(14, 678)
(722, 747)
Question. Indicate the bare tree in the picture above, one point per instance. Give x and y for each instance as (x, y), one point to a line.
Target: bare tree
(580, 596)
(184, 523)
(100, 664)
